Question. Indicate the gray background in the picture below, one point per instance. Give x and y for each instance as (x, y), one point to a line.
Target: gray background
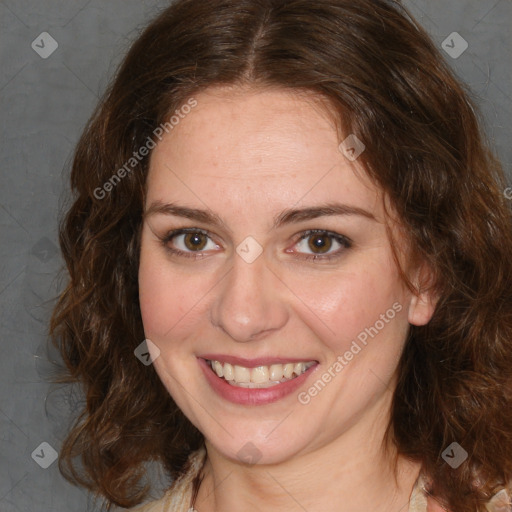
(44, 106)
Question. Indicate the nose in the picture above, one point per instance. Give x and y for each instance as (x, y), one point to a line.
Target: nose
(249, 302)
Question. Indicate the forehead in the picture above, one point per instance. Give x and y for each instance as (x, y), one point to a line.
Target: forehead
(268, 146)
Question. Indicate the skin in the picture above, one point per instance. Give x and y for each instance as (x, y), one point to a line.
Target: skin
(247, 155)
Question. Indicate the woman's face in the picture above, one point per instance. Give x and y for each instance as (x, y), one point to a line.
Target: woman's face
(248, 175)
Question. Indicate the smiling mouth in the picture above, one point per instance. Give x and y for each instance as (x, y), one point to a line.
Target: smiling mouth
(259, 376)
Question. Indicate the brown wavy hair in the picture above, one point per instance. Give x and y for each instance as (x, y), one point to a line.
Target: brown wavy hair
(384, 81)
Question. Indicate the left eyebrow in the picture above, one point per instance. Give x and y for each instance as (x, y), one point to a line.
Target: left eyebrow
(330, 209)
(288, 216)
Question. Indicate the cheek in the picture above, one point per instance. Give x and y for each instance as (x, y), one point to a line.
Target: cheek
(167, 299)
(341, 306)
(372, 330)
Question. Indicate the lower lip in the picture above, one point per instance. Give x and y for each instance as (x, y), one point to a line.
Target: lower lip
(252, 396)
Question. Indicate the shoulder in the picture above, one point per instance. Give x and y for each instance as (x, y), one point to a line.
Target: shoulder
(177, 498)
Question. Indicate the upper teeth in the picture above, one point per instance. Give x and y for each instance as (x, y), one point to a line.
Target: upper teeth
(263, 376)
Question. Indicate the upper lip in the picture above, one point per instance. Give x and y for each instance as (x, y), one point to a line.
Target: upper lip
(253, 363)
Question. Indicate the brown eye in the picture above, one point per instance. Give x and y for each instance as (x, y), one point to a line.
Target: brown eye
(188, 242)
(319, 245)
(321, 242)
(195, 241)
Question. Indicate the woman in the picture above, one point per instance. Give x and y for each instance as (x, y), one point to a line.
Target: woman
(290, 275)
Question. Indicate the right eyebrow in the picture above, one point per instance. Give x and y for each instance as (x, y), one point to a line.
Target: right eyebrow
(206, 216)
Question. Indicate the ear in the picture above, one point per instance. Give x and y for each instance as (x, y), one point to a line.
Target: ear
(423, 303)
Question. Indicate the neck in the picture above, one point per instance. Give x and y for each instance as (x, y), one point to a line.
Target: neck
(351, 474)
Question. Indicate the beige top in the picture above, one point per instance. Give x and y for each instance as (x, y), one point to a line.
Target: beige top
(179, 495)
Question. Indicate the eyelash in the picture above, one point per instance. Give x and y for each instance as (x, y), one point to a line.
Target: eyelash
(345, 242)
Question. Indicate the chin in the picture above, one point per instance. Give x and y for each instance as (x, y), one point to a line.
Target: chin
(255, 446)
